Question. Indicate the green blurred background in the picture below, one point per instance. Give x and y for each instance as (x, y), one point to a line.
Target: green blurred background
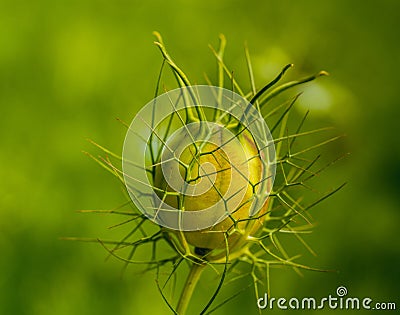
(69, 68)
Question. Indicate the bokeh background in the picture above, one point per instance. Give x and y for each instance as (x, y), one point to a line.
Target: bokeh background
(69, 68)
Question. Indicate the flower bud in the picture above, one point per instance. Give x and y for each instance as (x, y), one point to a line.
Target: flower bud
(220, 171)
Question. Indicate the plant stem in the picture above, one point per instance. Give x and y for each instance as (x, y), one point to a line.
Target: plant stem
(191, 281)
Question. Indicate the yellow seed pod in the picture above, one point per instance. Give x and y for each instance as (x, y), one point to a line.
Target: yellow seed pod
(220, 170)
(199, 162)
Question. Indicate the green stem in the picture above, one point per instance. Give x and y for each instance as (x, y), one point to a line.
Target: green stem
(191, 281)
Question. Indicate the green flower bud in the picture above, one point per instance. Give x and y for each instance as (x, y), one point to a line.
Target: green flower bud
(231, 171)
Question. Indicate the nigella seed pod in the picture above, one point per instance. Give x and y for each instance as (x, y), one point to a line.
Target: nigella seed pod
(199, 166)
(229, 170)
(211, 160)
